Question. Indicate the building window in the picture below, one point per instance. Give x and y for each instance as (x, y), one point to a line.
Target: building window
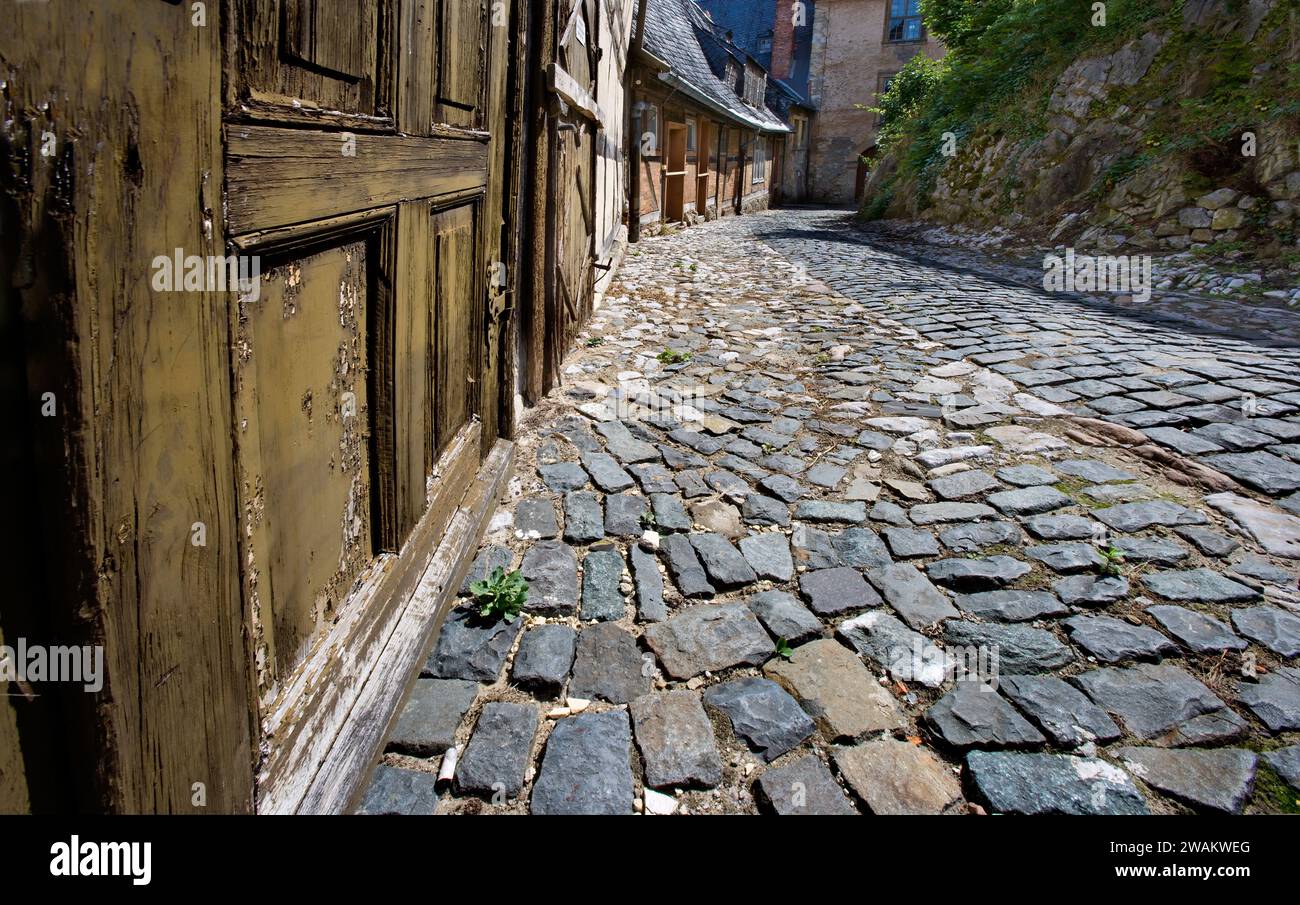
(760, 160)
(690, 135)
(765, 42)
(905, 20)
(882, 85)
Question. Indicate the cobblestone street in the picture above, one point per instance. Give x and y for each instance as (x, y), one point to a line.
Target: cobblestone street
(814, 526)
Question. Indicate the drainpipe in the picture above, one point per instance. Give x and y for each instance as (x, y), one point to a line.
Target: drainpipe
(633, 139)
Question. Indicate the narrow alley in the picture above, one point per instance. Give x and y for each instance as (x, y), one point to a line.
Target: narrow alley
(814, 525)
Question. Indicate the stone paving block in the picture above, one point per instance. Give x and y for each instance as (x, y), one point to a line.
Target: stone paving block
(602, 573)
(1162, 704)
(535, 518)
(886, 642)
(768, 554)
(708, 638)
(685, 567)
(470, 647)
(649, 584)
(912, 595)
(497, 755)
(894, 777)
(974, 537)
(726, 567)
(586, 768)
(831, 683)
(1112, 640)
(1015, 649)
(1059, 709)
(1029, 500)
(551, 569)
(394, 790)
(1029, 783)
(1196, 631)
(544, 657)
(1012, 605)
(838, 590)
(624, 513)
(973, 715)
(966, 574)
(785, 617)
(1220, 780)
(763, 714)
(802, 787)
(608, 665)
(906, 543)
(676, 740)
(1274, 628)
(1275, 699)
(1133, 517)
(427, 723)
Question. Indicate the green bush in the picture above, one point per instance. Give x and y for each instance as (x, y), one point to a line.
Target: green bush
(1005, 57)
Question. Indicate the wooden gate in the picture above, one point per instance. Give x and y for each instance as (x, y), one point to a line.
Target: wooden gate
(564, 188)
(258, 473)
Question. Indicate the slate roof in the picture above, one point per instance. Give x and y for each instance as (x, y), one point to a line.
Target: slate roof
(683, 36)
(749, 21)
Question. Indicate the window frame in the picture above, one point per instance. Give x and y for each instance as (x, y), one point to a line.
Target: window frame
(758, 162)
(891, 18)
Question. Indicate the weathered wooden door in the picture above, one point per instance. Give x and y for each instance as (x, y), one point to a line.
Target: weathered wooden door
(356, 168)
(240, 485)
(571, 251)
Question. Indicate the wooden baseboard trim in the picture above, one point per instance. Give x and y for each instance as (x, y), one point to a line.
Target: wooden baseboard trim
(341, 780)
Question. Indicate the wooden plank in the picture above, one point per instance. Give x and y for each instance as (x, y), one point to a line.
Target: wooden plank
(258, 66)
(417, 67)
(455, 305)
(578, 97)
(413, 296)
(342, 777)
(140, 450)
(300, 727)
(337, 35)
(276, 177)
(460, 85)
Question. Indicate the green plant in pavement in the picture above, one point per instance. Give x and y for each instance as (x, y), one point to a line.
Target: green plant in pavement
(501, 595)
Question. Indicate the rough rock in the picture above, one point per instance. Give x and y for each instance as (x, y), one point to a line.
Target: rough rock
(587, 766)
(708, 638)
(894, 777)
(835, 688)
(1011, 783)
(803, 786)
(1219, 780)
(676, 740)
(608, 665)
(497, 755)
(763, 714)
(544, 657)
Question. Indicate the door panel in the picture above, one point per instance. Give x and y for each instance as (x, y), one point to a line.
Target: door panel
(336, 35)
(306, 57)
(455, 311)
(303, 404)
(461, 83)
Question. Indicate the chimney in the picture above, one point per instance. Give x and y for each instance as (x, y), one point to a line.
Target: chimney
(783, 38)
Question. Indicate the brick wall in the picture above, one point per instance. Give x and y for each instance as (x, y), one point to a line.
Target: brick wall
(850, 54)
